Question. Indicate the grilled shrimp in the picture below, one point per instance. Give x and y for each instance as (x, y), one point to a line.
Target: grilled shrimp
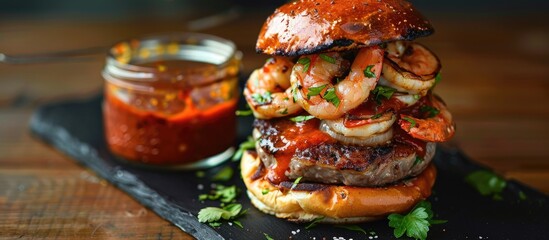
(312, 84)
(409, 67)
(377, 131)
(437, 128)
(268, 90)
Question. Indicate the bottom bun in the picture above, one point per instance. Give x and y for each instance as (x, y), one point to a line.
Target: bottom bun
(333, 203)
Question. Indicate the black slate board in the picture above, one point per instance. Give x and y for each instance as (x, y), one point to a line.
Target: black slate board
(75, 128)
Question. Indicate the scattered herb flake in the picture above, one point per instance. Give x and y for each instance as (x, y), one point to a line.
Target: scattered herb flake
(224, 174)
(268, 237)
(417, 96)
(315, 91)
(200, 174)
(417, 161)
(438, 77)
(376, 116)
(410, 120)
(353, 228)
(306, 62)
(247, 145)
(215, 224)
(416, 223)
(297, 180)
(284, 112)
(328, 58)
(238, 223)
(222, 193)
(242, 113)
(368, 72)
(314, 223)
(331, 96)
(301, 118)
(431, 111)
(487, 183)
(265, 191)
(522, 196)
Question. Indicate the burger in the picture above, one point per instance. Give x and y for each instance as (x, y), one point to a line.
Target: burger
(346, 120)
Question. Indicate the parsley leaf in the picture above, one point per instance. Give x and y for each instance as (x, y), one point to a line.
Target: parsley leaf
(297, 180)
(268, 237)
(306, 62)
(265, 191)
(262, 98)
(382, 91)
(284, 112)
(368, 72)
(314, 91)
(431, 111)
(376, 116)
(416, 223)
(314, 222)
(224, 174)
(417, 161)
(353, 228)
(214, 214)
(301, 118)
(238, 223)
(247, 145)
(242, 113)
(331, 97)
(328, 58)
(410, 120)
(486, 183)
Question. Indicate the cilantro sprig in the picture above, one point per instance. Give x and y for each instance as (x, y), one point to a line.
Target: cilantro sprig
(487, 183)
(416, 223)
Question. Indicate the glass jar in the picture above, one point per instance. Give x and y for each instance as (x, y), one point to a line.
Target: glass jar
(170, 100)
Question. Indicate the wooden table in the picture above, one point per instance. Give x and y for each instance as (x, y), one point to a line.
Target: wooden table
(495, 81)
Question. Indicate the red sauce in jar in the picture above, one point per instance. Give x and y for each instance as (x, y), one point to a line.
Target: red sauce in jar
(176, 132)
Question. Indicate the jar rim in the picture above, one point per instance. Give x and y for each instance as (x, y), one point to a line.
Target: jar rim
(124, 56)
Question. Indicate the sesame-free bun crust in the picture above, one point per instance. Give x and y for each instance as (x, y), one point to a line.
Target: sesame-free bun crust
(337, 204)
(310, 26)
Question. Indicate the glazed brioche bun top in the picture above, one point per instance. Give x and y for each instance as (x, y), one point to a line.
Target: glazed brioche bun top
(310, 26)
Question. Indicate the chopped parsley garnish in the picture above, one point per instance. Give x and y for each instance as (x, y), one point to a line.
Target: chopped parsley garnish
(353, 228)
(314, 222)
(200, 174)
(328, 58)
(417, 96)
(221, 193)
(376, 116)
(431, 111)
(224, 174)
(214, 214)
(331, 97)
(265, 191)
(417, 161)
(368, 72)
(284, 112)
(301, 118)
(294, 93)
(487, 183)
(242, 113)
(382, 91)
(416, 223)
(268, 237)
(315, 91)
(438, 77)
(306, 62)
(522, 196)
(247, 145)
(410, 120)
(295, 183)
(262, 98)
(238, 223)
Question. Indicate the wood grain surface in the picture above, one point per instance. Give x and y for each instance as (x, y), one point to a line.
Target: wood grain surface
(495, 81)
